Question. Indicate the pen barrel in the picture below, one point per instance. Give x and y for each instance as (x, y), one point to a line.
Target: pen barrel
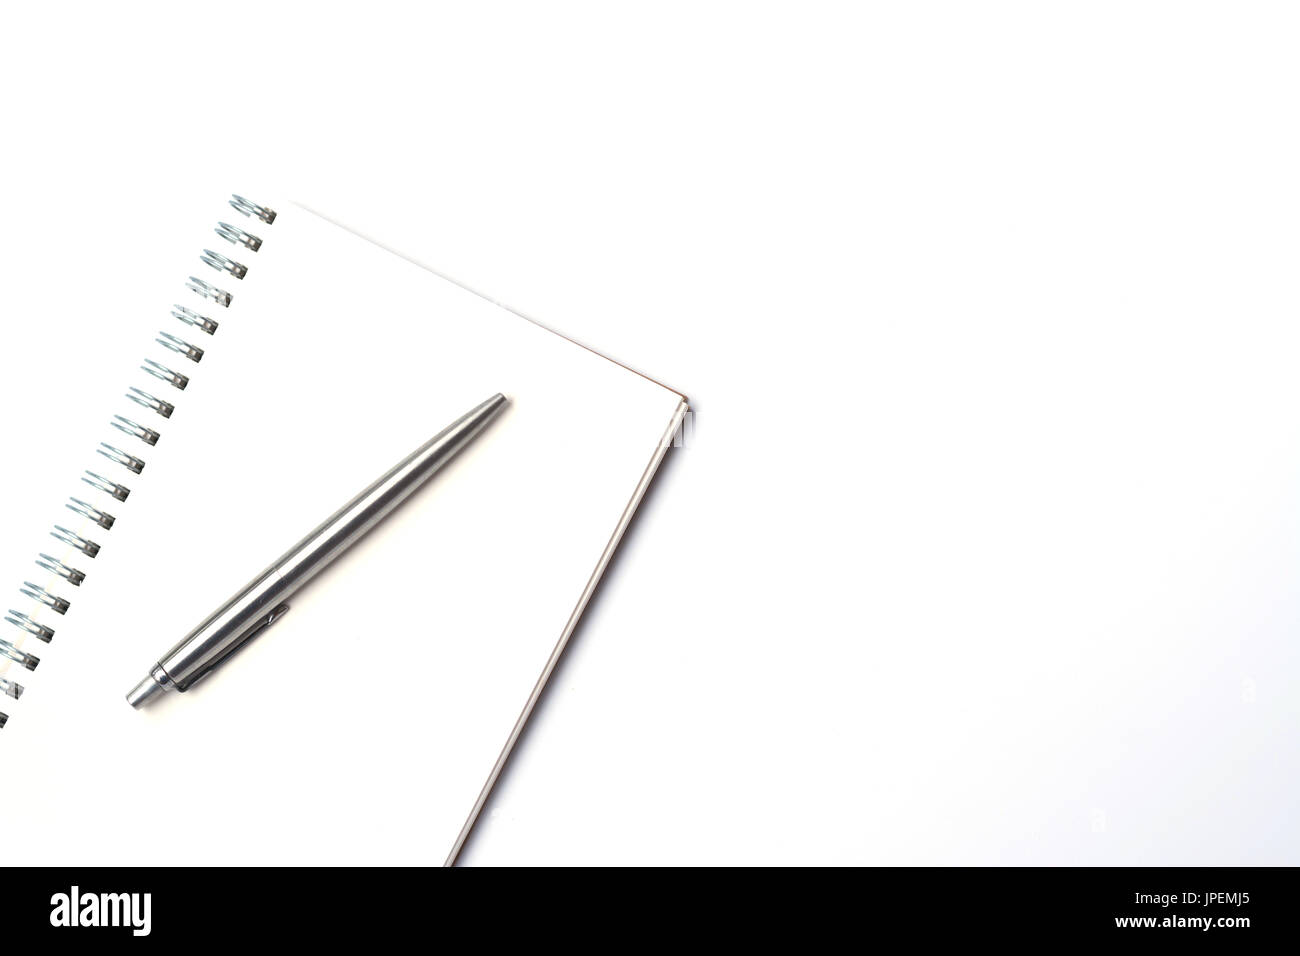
(257, 604)
(341, 530)
(223, 631)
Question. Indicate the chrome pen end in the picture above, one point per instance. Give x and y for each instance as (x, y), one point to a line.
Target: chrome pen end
(147, 690)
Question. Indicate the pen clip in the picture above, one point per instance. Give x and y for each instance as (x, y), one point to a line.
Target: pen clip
(260, 625)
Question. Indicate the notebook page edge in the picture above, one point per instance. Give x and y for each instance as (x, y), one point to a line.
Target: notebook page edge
(481, 295)
(652, 467)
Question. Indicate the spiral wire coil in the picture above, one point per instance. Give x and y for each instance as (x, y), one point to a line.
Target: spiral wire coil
(26, 624)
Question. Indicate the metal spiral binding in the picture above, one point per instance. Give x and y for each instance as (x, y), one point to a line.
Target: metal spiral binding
(209, 291)
(238, 236)
(84, 545)
(164, 409)
(55, 566)
(21, 621)
(190, 317)
(38, 593)
(146, 435)
(222, 264)
(19, 657)
(28, 625)
(136, 465)
(180, 346)
(101, 518)
(160, 371)
(120, 492)
(252, 209)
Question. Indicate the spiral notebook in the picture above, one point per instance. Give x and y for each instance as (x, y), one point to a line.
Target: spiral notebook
(369, 725)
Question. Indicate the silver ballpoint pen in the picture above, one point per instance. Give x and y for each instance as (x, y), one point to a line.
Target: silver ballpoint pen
(262, 602)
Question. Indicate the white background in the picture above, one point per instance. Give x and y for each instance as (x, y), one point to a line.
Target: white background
(983, 547)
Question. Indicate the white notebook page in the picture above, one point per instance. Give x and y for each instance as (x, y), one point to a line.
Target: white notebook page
(364, 726)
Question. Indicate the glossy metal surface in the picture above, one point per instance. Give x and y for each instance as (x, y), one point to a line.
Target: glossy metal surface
(262, 602)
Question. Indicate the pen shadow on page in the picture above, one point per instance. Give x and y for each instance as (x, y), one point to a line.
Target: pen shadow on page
(669, 463)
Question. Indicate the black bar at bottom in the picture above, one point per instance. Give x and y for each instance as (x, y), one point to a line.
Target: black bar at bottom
(699, 906)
